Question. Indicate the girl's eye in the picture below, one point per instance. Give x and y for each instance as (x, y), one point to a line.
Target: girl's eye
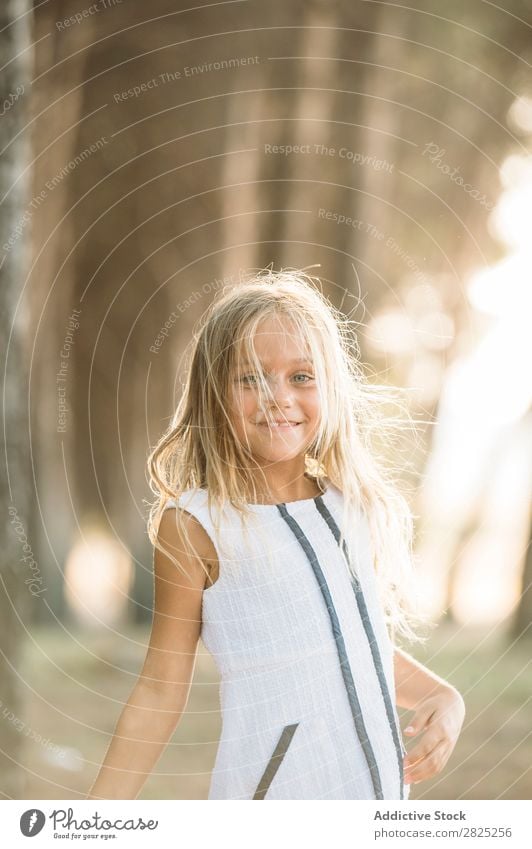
(251, 378)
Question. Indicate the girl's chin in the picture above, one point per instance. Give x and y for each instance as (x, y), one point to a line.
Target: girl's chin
(289, 443)
(277, 453)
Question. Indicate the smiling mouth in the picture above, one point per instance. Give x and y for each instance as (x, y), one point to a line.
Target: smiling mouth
(279, 424)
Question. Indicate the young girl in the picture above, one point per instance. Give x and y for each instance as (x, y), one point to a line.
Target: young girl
(283, 544)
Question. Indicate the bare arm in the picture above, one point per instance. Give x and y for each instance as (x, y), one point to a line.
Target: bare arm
(414, 682)
(439, 712)
(160, 694)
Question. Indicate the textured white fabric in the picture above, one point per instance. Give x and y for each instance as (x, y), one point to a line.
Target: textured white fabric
(272, 634)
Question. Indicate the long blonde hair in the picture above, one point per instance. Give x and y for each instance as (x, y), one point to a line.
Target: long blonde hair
(200, 448)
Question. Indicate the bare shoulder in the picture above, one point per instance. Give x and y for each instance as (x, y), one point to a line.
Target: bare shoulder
(179, 581)
(188, 541)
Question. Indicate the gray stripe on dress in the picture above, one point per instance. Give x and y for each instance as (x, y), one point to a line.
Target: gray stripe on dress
(340, 646)
(370, 634)
(275, 761)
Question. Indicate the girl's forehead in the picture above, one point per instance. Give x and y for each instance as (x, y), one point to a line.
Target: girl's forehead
(275, 351)
(275, 336)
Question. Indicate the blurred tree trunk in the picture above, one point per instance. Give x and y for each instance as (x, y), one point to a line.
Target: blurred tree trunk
(56, 110)
(313, 182)
(15, 495)
(241, 216)
(255, 211)
(523, 617)
(522, 623)
(381, 136)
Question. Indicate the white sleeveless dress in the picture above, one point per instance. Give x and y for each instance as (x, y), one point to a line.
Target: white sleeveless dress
(306, 664)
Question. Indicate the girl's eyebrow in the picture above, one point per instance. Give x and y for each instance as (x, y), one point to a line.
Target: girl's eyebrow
(296, 360)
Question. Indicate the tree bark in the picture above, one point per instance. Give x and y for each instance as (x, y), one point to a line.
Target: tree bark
(15, 495)
(521, 625)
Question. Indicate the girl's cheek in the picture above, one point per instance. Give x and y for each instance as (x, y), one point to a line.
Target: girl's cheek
(236, 406)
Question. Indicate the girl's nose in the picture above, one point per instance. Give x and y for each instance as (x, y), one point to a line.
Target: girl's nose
(281, 394)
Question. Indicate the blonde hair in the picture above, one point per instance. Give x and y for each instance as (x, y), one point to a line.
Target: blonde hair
(200, 448)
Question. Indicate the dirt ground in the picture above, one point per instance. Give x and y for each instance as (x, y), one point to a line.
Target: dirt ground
(76, 683)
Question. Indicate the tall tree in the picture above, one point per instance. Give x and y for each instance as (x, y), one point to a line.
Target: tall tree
(521, 625)
(15, 494)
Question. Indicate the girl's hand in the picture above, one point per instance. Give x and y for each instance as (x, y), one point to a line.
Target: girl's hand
(440, 717)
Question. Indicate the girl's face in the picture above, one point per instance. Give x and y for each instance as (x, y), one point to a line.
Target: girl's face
(286, 425)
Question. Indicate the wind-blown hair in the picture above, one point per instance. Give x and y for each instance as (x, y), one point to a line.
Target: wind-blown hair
(200, 448)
